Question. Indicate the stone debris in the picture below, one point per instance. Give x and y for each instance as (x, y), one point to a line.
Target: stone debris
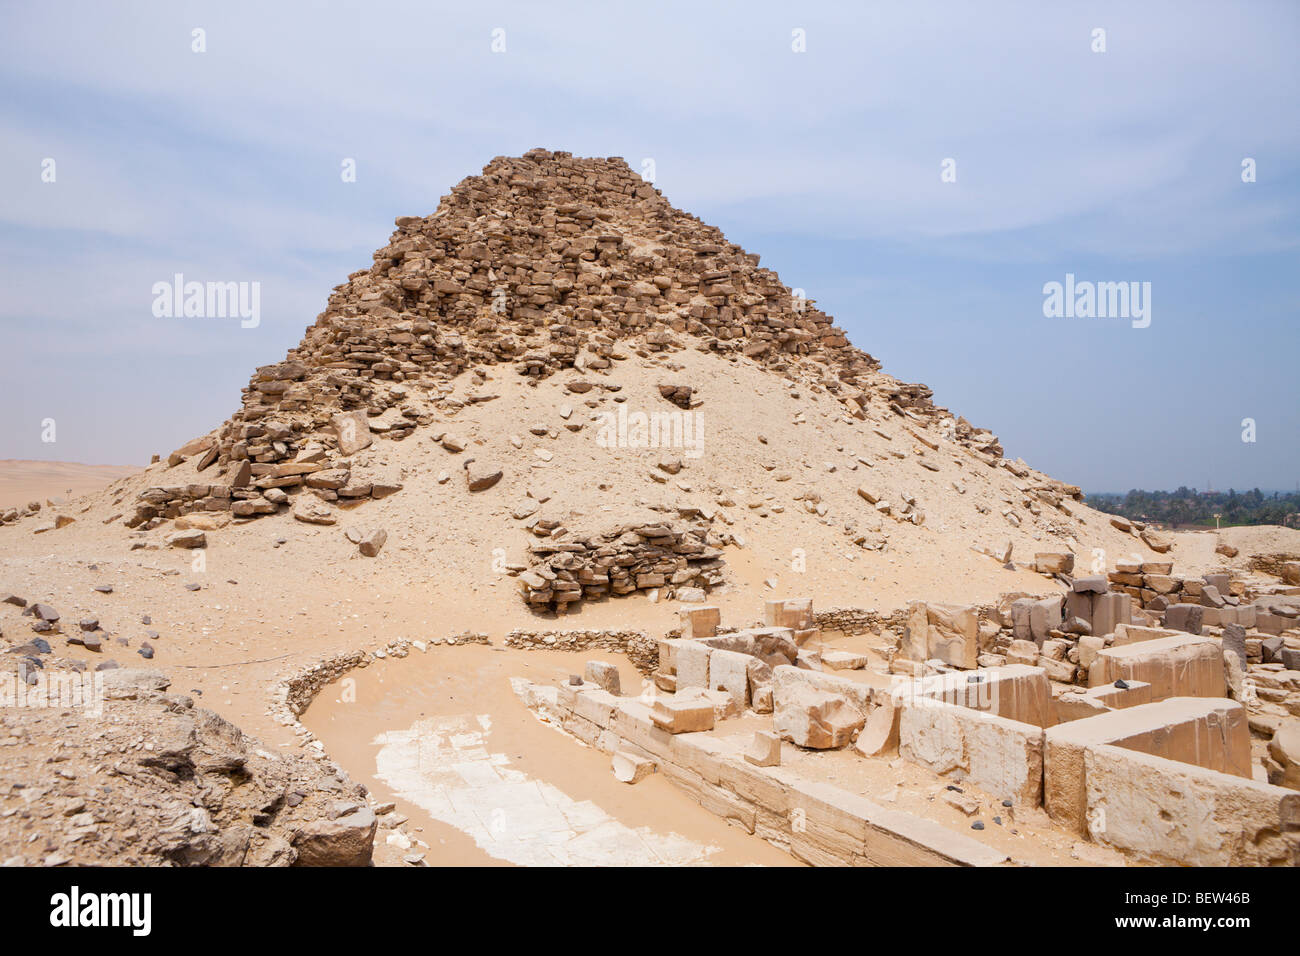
(371, 543)
(604, 676)
(816, 719)
(565, 270)
(662, 556)
(764, 750)
(187, 539)
(631, 768)
(480, 476)
(156, 781)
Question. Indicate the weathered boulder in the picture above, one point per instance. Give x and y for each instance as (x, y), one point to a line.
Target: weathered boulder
(188, 539)
(480, 476)
(347, 840)
(816, 719)
(1284, 748)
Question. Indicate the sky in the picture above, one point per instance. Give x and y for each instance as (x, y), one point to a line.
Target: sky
(921, 170)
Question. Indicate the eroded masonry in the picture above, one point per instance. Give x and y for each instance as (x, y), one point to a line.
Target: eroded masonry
(1155, 732)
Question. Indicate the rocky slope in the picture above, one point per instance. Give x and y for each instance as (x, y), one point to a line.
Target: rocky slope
(153, 780)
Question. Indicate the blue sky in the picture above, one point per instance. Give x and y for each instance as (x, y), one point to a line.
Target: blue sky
(1115, 166)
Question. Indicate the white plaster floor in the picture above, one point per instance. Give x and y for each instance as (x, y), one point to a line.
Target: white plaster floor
(443, 765)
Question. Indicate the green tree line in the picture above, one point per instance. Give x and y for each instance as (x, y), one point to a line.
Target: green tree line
(1187, 506)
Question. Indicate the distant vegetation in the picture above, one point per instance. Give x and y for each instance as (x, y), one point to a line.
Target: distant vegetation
(1186, 506)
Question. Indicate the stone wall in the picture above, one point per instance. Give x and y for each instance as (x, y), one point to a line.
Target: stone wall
(816, 822)
(856, 620)
(641, 649)
(1274, 564)
(664, 556)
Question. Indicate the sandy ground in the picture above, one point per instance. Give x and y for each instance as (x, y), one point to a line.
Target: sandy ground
(473, 680)
(352, 718)
(24, 481)
(276, 594)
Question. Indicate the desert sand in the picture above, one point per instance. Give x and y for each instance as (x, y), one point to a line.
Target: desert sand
(24, 481)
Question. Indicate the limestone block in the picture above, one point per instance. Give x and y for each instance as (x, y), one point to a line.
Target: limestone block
(1003, 757)
(1022, 652)
(1183, 666)
(764, 750)
(1184, 617)
(1110, 611)
(1132, 633)
(1284, 748)
(816, 719)
(945, 632)
(862, 694)
(1200, 731)
(683, 713)
(595, 705)
(729, 672)
(1032, 619)
(1167, 812)
(1014, 691)
(692, 660)
(1118, 698)
(843, 660)
(1089, 648)
(794, 613)
(631, 768)
(604, 676)
(1054, 562)
(700, 621)
(879, 737)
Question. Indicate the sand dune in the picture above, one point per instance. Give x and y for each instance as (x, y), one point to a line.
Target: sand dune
(23, 481)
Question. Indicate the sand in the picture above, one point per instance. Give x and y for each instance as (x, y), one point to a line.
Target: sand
(24, 481)
(277, 594)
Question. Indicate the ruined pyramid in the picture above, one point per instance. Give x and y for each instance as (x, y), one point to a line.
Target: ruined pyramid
(549, 271)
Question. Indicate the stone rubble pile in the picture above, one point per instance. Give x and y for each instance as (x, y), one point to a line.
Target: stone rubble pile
(671, 558)
(10, 515)
(153, 780)
(544, 263)
(1066, 634)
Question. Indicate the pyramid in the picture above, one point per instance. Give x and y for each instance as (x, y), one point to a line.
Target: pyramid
(573, 279)
(544, 263)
